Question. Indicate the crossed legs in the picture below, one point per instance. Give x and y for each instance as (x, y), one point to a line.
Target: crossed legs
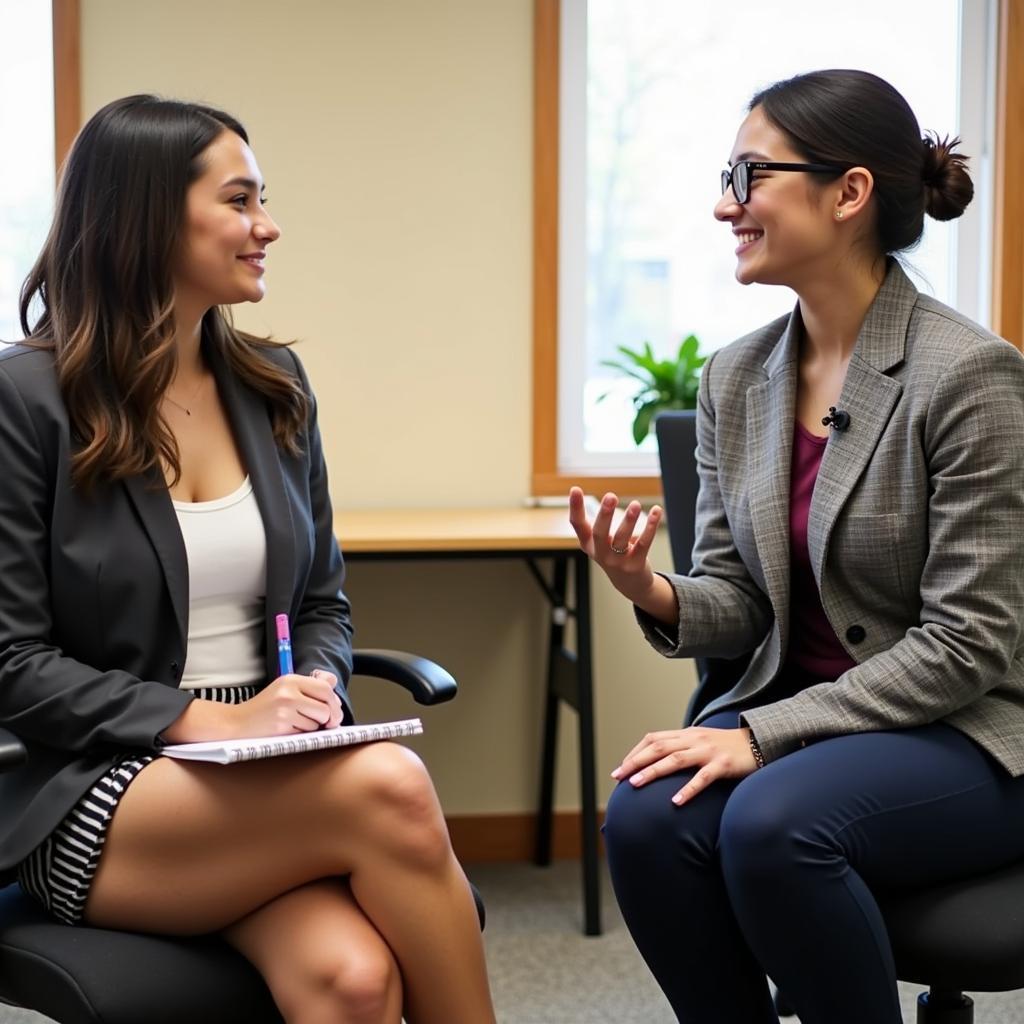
(321, 957)
(256, 851)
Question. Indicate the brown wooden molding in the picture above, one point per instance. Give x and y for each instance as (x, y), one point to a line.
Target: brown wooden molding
(625, 486)
(508, 838)
(67, 75)
(546, 17)
(546, 478)
(1008, 256)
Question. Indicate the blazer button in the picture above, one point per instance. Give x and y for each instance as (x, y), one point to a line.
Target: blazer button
(174, 669)
(855, 634)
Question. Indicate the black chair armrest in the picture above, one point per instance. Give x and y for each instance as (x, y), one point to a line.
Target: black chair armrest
(424, 679)
(12, 751)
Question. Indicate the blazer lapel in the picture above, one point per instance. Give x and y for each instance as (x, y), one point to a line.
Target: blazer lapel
(869, 396)
(152, 502)
(254, 433)
(769, 432)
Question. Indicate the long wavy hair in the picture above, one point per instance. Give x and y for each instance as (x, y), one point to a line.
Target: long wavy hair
(102, 289)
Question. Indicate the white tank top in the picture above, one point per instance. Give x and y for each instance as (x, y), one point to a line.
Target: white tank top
(227, 572)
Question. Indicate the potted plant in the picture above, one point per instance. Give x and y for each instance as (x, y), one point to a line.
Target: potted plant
(664, 383)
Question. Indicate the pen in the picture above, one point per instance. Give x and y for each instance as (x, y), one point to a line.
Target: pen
(284, 646)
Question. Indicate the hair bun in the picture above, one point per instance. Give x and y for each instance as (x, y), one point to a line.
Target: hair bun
(947, 185)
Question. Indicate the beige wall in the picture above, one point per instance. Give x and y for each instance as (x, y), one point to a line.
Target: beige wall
(395, 139)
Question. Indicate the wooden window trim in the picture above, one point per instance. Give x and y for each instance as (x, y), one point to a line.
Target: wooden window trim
(546, 478)
(1008, 257)
(67, 77)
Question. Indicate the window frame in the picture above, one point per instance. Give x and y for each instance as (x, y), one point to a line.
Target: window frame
(1007, 284)
(67, 75)
(1008, 247)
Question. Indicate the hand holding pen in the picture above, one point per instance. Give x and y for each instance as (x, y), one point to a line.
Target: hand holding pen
(289, 704)
(325, 681)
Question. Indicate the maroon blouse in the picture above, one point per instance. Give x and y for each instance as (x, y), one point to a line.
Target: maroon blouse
(814, 648)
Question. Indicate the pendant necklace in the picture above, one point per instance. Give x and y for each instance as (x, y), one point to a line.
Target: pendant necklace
(186, 408)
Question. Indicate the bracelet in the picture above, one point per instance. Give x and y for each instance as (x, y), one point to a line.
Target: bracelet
(756, 751)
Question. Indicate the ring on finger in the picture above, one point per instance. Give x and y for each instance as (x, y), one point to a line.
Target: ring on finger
(618, 551)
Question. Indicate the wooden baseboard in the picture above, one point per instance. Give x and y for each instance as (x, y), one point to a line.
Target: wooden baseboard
(507, 838)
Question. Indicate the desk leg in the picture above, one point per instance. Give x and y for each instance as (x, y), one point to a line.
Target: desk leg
(570, 679)
(556, 643)
(588, 754)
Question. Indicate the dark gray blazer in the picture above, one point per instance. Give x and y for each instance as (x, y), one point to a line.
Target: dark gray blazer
(94, 591)
(916, 529)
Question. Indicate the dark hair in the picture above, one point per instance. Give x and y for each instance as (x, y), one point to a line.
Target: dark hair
(853, 118)
(104, 282)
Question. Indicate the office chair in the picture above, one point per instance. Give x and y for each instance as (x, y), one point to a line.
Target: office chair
(87, 975)
(966, 935)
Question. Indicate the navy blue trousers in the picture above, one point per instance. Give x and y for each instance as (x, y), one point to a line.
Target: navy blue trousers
(772, 874)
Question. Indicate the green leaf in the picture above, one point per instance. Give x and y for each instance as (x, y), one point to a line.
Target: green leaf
(683, 374)
(637, 357)
(625, 370)
(644, 418)
(688, 349)
(661, 383)
(645, 360)
(667, 372)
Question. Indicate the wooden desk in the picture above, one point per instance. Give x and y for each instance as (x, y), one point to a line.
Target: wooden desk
(412, 531)
(531, 535)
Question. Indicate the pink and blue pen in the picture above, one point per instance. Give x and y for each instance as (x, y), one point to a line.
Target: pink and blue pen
(284, 646)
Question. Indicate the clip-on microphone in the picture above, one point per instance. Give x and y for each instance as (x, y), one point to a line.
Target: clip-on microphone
(836, 418)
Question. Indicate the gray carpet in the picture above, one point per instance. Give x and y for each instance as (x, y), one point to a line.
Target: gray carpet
(543, 971)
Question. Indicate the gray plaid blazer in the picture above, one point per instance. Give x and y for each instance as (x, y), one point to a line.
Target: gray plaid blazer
(916, 529)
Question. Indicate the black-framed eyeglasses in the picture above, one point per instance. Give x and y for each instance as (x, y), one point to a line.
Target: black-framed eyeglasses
(741, 174)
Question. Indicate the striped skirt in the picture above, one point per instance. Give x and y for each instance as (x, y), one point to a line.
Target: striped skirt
(59, 871)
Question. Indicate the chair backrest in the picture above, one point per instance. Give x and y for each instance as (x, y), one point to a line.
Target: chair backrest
(677, 444)
(677, 453)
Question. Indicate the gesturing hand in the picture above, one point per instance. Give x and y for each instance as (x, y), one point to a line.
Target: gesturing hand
(718, 753)
(622, 556)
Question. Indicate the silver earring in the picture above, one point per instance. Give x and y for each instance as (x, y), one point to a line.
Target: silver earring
(839, 214)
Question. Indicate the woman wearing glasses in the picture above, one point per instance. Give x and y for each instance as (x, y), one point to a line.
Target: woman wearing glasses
(859, 533)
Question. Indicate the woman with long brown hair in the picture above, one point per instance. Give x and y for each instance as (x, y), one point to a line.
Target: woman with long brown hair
(165, 495)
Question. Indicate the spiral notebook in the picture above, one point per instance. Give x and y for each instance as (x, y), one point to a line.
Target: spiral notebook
(254, 748)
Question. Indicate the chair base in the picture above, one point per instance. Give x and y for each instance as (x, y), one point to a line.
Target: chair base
(942, 1006)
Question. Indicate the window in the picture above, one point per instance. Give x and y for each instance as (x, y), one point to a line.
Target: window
(38, 118)
(648, 96)
(26, 126)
